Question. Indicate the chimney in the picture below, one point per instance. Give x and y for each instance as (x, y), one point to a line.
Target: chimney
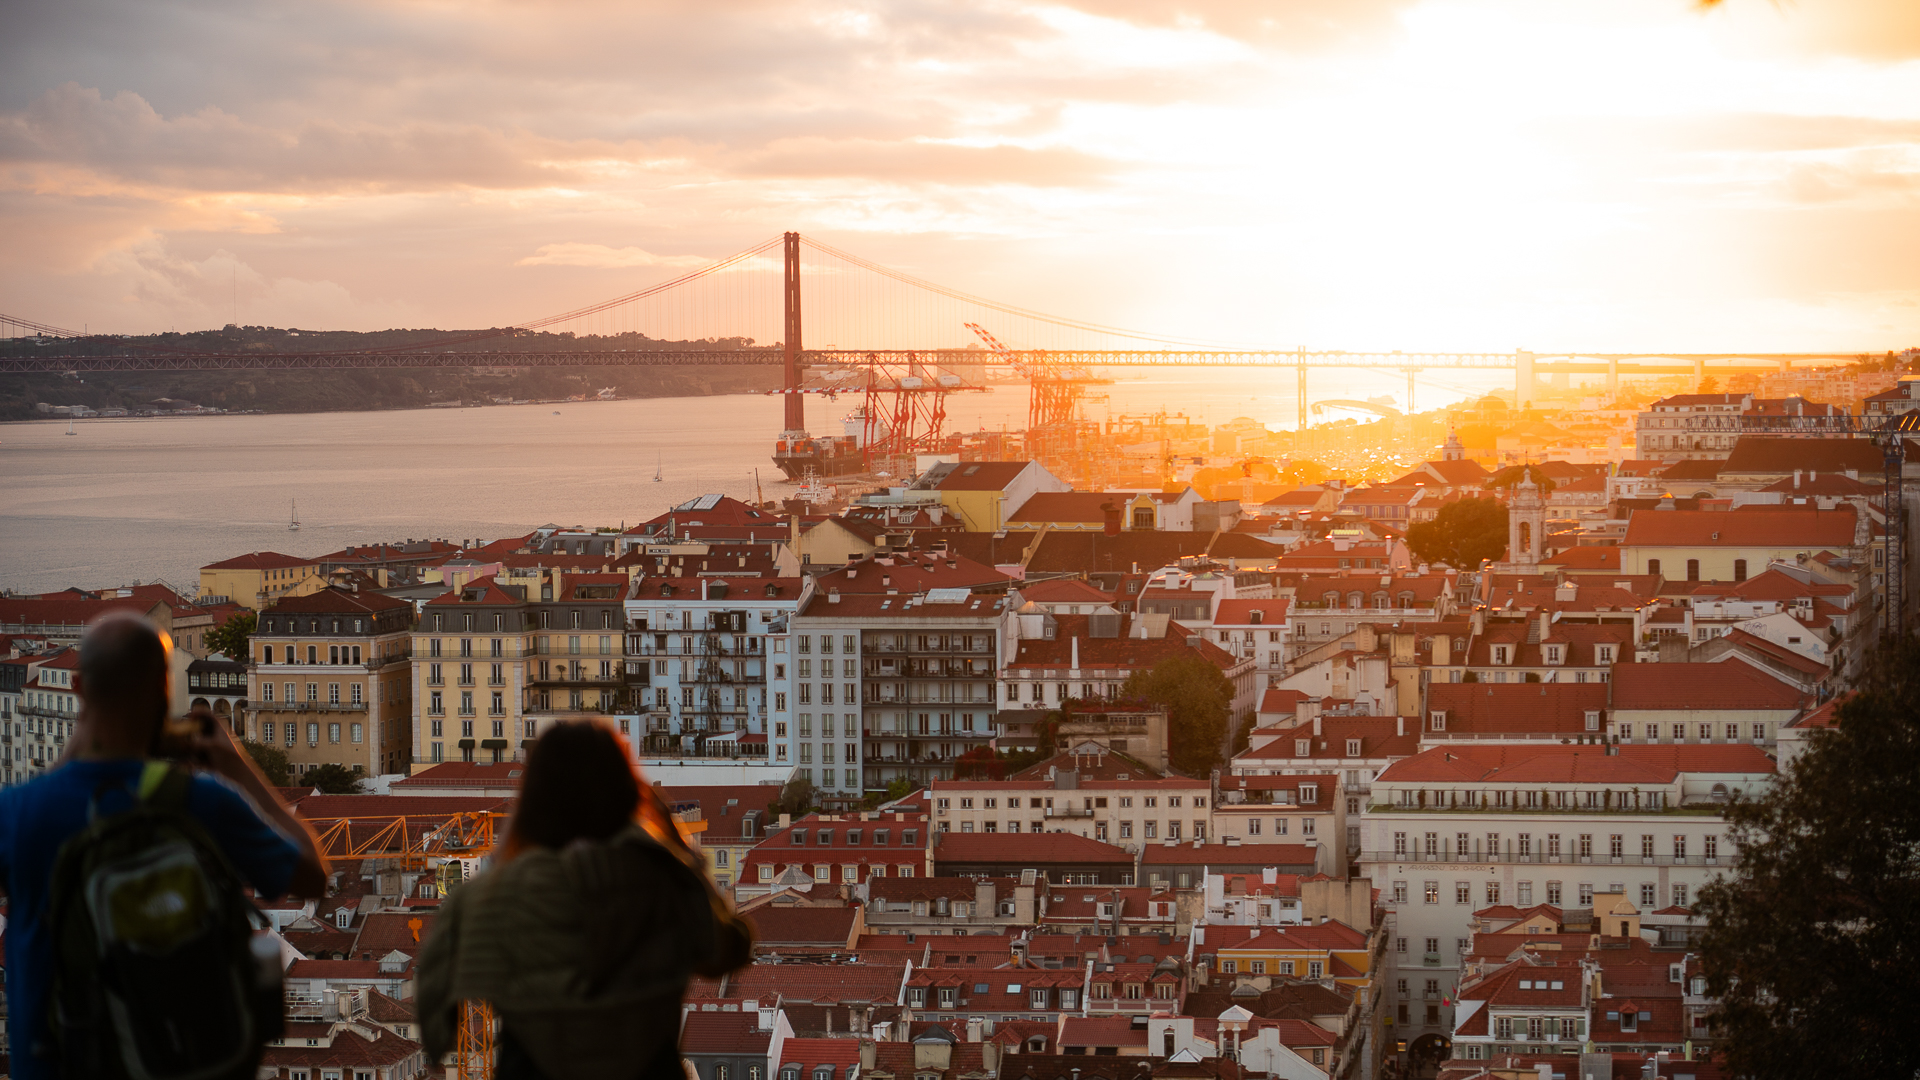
(1400, 725)
(1076, 653)
(1316, 722)
(975, 1026)
(868, 1056)
(833, 595)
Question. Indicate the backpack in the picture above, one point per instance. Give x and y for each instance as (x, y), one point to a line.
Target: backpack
(159, 973)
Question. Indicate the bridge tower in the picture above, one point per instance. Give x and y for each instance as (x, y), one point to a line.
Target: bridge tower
(796, 408)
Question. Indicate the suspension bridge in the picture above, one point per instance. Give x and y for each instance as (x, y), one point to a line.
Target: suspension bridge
(899, 329)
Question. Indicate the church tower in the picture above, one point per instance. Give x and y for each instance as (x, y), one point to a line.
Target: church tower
(1526, 514)
(1452, 450)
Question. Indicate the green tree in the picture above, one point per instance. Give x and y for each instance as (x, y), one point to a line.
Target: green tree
(272, 761)
(1199, 701)
(897, 788)
(332, 779)
(795, 798)
(1243, 734)
(1810, 945)
(1462, 534)
(233, 638)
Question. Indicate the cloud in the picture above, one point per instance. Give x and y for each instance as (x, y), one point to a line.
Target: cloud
(125, 137)
(602, 257)
(916, 163)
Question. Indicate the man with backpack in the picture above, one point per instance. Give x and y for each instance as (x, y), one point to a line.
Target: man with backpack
(129, 950)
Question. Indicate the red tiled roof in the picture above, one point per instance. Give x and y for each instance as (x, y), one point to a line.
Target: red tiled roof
(1650, 763)
(875, 980)
(1825, 716)
(982, 475)
(349, 1050)
(332, 600)
(1585, 557)
(464, 774)
(1240, 612)
(1329, 935)
(731, 1033)
(1513, 708)
(1807, 528)
(260, 560)
(383, 932)
(809, 1053)
(1121, 652)
(1764, 455)
(1079, 507)
(1724, 685)
(1029, 849)
(794, 925)
(909, 572)
(1063, 591)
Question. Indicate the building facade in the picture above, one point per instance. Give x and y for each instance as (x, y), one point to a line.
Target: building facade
(329, 681)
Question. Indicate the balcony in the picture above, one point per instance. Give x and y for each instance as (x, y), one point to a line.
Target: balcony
(1069, 812)
(1509, 858)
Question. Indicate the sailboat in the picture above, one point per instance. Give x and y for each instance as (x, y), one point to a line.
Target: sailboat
(656, 468)
(70, 430)
(293, 523)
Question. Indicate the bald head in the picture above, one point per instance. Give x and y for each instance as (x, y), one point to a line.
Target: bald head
(123, 670)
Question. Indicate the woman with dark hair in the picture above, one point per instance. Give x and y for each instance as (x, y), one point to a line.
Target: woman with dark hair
(585, 932)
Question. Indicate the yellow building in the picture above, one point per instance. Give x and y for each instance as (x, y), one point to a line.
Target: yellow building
(257, 579)
(1327, 950)
(985, 494)
(330, 682)
(1733, 545)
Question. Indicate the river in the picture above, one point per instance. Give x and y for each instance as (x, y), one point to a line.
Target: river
(126, 500)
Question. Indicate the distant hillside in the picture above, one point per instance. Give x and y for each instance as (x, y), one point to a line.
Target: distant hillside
(347, 390)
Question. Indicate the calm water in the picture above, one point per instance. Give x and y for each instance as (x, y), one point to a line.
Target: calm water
(126, 500)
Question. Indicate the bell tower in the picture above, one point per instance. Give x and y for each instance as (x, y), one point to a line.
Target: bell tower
(1526, 514)
(1452, 450)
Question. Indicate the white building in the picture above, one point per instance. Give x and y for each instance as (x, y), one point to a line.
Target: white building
(697, 650)
(1458, 828)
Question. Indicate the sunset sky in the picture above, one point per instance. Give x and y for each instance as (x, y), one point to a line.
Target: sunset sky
(1414, 174)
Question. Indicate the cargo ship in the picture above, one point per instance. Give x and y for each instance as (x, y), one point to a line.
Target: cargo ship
(798, 454)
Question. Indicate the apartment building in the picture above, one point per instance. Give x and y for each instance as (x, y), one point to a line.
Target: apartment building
(1129, 813)
(890, 685)
(954, 905)
(1255, 630)
(259, 578)
(1328, 606)
(38, 707)
(838, 851)
(1460, 827)
(497, 662)
(701, 659)
(330, 681)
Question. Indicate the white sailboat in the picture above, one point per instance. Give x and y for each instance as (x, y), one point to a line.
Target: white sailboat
(70, 430)
(293, 522)
(656, 468)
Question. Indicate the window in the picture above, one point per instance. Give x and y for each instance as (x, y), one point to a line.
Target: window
(1586, 894)
(1463, 892)
(1431, 891)
(1679, 895)
(1553, 893)
(1648, 895)
(1493, 893)
(1399, 892)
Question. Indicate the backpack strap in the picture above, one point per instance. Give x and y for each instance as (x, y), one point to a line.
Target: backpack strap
(164, 787)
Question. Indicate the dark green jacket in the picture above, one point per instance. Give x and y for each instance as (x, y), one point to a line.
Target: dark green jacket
(584, 954)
